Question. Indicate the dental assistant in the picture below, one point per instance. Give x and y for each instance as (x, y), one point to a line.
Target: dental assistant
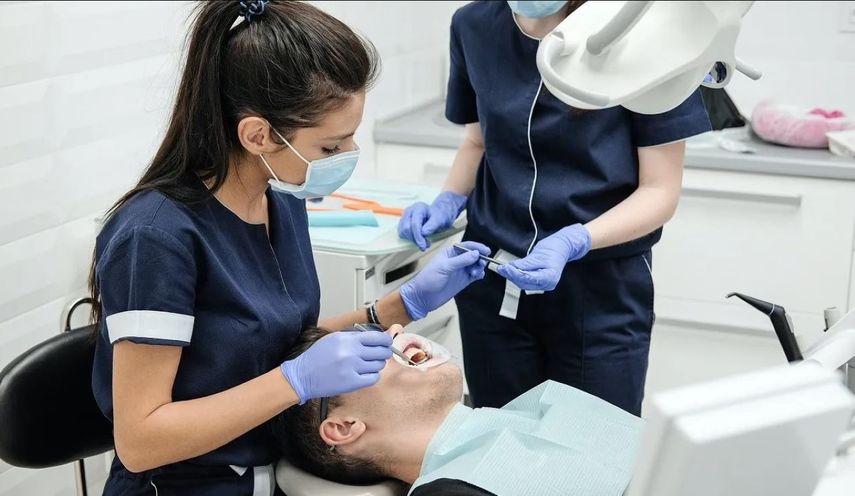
(579, 196)
(204, 272)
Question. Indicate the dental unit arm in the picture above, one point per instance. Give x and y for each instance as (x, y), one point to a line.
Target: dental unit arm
(780, 322)
(834, 350)
(647, 56)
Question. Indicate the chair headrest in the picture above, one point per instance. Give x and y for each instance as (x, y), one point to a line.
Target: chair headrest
(294, 481)
(47, 409)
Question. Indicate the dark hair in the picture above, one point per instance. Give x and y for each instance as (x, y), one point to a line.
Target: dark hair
(296, 432)
(291, 65)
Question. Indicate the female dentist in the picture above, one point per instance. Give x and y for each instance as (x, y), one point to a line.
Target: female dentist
(205, 274)
(552, 185)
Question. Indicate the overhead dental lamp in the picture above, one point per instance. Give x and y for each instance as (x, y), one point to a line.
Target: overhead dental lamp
(647, 56)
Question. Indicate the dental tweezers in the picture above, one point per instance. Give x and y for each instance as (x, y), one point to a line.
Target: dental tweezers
(463, 249)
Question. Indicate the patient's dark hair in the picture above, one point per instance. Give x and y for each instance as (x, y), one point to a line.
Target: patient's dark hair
(296, 431)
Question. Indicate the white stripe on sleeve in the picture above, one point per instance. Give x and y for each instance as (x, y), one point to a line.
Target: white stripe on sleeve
(150, 324)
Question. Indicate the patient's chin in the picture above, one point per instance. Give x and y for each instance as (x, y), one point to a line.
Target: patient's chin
(414, 394)
(447, 388)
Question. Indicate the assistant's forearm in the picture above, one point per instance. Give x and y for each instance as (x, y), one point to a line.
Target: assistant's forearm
(644, 211)
(464, 169)
(651, 205)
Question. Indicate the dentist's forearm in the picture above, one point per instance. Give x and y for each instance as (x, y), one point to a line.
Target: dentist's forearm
(182, 430)
(390, 310)
(464, 169)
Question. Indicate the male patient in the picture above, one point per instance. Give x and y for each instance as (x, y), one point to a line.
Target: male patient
(412, 426)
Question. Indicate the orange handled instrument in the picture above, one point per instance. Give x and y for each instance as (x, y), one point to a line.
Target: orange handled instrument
(356, 203)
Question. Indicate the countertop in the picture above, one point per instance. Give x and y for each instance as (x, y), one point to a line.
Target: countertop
(427, 126)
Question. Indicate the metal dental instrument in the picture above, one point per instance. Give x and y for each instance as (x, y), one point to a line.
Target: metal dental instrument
(462, 248)
(396, 351)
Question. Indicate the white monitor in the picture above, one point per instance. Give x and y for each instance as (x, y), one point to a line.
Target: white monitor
(766, 433)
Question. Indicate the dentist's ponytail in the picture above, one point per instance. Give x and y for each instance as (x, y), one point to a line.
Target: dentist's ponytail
(286, 61)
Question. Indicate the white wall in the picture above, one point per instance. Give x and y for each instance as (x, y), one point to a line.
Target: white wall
(85, 90)
(412, 39)
(804, 57)
(83, 93)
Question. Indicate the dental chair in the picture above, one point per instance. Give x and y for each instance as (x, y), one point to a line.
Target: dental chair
(294, 481)
(47, 411)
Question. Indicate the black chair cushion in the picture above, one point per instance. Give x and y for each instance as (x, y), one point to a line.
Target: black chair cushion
(48, 415)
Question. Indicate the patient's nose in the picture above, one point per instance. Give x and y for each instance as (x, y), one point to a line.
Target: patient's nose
(395, 330)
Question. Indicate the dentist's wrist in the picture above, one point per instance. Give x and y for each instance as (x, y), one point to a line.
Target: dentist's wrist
(289, 371)
(391, 309)
(410, 300)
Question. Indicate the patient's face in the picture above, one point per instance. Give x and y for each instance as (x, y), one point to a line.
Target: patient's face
(406, 393)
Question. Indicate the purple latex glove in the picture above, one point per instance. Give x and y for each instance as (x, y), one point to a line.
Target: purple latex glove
(446, 275)
(421, 220)
(541, 269)
(338, 363)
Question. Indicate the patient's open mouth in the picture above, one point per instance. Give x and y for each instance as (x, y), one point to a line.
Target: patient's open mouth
(414, 352)
(421, 350)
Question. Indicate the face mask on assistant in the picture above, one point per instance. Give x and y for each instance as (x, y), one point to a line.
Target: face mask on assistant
(323, 176)
(536, 9)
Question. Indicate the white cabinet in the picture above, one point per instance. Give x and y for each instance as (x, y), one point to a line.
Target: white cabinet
(782, 239)
(787, 240)
(681, 355)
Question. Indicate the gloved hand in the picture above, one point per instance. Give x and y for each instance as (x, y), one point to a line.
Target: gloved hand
(541, 269)
(441, 279)
(338, 363)
(420, 219)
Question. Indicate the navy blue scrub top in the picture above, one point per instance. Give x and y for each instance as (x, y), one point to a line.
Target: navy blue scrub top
(584, 162)
(198, 276)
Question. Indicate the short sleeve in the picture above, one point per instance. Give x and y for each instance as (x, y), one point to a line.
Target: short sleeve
(460, 102)
(686, 120)
(147, 281)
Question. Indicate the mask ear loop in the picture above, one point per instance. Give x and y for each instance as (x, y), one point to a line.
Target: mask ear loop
(270, 169)
(266, 164)
(289, 145)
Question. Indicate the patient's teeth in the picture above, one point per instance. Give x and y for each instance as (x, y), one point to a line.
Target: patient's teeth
(421, 350)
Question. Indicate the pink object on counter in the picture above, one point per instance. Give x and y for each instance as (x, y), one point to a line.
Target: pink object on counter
(828, 114)
(793, 126)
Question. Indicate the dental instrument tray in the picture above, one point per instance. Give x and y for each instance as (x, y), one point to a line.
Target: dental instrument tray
(382, 239)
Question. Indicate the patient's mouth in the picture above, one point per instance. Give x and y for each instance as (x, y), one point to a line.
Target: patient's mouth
(424, 352)
(414, 352)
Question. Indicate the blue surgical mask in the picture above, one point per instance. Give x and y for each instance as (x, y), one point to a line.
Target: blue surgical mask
(536, 9)
(323, 176)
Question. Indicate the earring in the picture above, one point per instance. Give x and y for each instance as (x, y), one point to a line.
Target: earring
(332, 448)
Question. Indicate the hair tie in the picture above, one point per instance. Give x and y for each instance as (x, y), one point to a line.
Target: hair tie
(252, 8)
